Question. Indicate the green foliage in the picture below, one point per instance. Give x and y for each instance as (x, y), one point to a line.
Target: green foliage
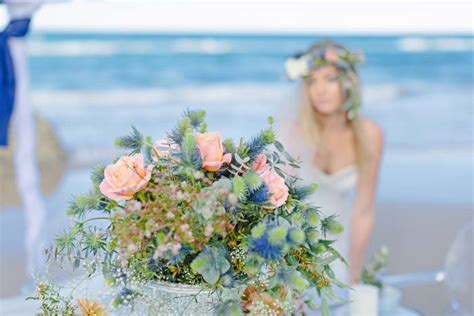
(84, 203)
(297, 281)
(133, 142)
(211, 264)
(331, 225)
(378, 262)
(258, 230)
(229, 145)
(196, 117)
(97, 175)
(312, 218)
(277, 235)
(239, 166)
(302, 193)
(252, 180)
(239, 188)
(192, 120)
(297, 235)
(52, 302)
(230, 308)
(188, 147)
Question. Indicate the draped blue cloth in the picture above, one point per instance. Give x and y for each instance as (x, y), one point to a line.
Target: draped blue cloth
(16, 28)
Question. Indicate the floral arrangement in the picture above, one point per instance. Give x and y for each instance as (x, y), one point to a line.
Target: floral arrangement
(326, 53)
(194, 209)
(377, 263)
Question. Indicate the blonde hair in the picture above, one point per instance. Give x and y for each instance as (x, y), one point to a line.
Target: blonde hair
(308, 128)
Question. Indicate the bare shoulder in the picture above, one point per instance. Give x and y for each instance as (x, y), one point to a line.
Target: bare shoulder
(374, 134)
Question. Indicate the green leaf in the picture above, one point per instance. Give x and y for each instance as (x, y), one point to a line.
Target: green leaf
(77, 263)
(211, 264)
(279, 146)
(325, 307)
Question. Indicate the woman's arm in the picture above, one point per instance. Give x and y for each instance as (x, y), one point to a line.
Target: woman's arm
(362, 216)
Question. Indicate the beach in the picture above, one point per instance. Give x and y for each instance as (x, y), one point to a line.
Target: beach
(417, 88)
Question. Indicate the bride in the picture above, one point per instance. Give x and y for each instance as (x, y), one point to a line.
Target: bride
(341, 150)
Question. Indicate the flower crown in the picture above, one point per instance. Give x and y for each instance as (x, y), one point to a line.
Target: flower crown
(325, 53)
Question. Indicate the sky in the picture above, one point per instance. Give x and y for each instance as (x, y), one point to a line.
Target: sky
(254, 16)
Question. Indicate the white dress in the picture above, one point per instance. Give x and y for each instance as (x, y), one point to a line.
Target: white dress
(334, 196)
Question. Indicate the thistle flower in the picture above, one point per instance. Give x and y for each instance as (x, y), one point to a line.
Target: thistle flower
(133, 142)
(264, 248)
(260, 196)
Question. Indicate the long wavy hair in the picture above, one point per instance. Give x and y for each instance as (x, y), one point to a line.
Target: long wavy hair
(307, 117)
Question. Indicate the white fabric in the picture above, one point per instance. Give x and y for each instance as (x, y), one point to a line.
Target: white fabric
(335, 192)
(334, 197)
(22, 8)
(26, 167)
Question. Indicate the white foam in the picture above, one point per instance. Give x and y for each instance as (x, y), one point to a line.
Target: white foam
(202, 46)
(221, 94)
(419, 44)
(74, 48)
(214, 94)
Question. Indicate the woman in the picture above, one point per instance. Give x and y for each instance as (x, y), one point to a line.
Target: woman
(340, 149)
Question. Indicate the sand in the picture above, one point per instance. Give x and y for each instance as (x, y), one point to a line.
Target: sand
(419, 237)
(51, 161)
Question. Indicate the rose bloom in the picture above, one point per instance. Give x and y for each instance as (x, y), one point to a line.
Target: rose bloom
(126, 177)
(277, 187)
(260, 165)
(211, 151)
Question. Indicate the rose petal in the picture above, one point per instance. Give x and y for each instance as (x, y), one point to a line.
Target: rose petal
(106, 190)
(227, 158)
(212, 165)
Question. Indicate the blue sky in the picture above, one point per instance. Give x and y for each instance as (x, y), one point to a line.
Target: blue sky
(258, 16)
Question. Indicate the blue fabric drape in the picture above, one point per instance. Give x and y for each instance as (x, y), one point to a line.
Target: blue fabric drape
(16, 28)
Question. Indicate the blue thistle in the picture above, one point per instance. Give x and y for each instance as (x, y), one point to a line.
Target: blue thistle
(265, 249)
(197, 161)
(125, 292)
(301, 193)
(133, 142)
(259, 196)
(175, 260)
(153, 264)
(258, 144)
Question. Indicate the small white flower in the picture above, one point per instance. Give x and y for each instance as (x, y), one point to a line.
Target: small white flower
(297, 67)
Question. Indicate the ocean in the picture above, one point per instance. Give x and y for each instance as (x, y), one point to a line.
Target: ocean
(418, 88)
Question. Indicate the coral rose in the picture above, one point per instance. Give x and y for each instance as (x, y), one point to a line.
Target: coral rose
(260, 164)
(277, 187)
(211, 151)
(125, 177)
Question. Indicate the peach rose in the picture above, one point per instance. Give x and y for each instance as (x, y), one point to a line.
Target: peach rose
(126, 177)
(211, 151)
(277, 187)
(163, 148)
(331, 55)
(260, 164)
